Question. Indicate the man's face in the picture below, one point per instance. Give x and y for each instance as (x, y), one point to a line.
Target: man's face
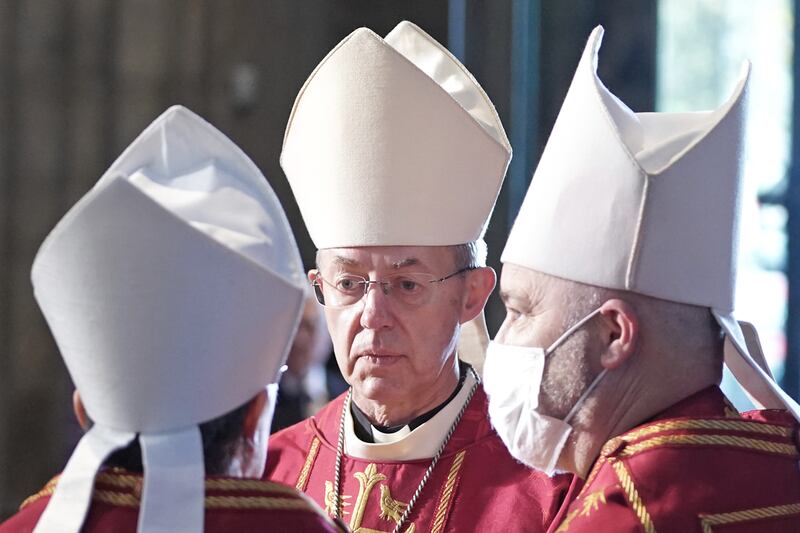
(390, 352)
(537, 315)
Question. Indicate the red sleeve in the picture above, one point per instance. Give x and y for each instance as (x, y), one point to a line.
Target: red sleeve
(604, 509)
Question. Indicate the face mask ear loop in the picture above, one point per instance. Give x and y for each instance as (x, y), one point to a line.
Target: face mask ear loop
(585, 395)
(570, 331)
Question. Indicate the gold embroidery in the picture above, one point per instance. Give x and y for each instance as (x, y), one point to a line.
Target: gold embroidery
(721, 425)
(46, 491)
(633, 496)
(302, 479)
(567, 521)
(366, 481)
(711, 440)
(447, 493)
(592, 501)
(391, 509)
(709, 520)
(255, 485)
(120, 499)
(330, 500)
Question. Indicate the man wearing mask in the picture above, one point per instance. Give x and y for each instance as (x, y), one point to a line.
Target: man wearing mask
(396, 155)
(618, 284)
(174, 314)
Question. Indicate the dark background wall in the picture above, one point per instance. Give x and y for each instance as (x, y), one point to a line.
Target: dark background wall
(79, 79)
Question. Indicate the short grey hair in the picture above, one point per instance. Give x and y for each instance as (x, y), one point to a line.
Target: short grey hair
(470, 254)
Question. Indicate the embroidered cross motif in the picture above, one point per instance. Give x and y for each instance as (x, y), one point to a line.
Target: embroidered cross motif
(391, 509)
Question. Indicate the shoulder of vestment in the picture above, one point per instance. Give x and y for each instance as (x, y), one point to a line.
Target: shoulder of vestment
(694, 474)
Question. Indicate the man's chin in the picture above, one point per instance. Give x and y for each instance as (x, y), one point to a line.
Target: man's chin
(382, 389)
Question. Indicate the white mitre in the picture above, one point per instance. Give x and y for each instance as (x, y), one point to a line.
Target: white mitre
(645, 202)
(393, 142)
(173, 290)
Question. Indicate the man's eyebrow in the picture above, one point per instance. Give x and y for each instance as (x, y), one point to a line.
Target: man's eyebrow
(516, 300)
(409, 261)
(344, 261)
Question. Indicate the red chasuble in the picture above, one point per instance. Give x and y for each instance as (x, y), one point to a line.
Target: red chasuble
(232, 504)
(697, 467)
(476, 486)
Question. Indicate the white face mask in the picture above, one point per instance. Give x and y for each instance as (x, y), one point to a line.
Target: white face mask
(512, 378)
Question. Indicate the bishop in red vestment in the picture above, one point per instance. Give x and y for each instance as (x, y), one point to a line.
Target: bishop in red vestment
(618, 281)
(396, 155)
(697, 466)
(476, 486)
(231, 504)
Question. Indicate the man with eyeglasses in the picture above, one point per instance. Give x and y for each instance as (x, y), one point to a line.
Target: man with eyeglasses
(396, 156)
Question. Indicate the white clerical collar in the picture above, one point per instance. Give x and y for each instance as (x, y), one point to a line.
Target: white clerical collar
(405, 444)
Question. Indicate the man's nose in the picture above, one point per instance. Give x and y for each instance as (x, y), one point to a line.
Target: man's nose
(377, 313)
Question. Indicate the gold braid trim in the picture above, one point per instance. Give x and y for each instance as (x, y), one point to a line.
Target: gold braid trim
(708, 520)
(46, 491)
(723, 425)
(129, 481)
(302, 479)
(633, 496)
(121, 499)
(711, 440)
(254, 485)
(447, 493)
(255, 502)
(133, 482)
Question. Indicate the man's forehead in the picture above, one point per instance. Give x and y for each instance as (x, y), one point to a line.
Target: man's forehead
(393, 257)
(521, 284)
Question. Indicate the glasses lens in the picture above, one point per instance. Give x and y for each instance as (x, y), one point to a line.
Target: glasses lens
(318, 292)
(411, 289)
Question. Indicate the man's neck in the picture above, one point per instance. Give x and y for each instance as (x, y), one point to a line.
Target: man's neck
(624, 405)
(365, 428)
(387, 416)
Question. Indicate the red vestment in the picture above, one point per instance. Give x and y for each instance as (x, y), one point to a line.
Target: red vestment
(232, 504)
(698, 467)
(476, 486)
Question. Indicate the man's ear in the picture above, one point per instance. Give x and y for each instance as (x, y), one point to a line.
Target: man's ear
(480, 283)
(80, 411)
(257, 406)
(621, 328)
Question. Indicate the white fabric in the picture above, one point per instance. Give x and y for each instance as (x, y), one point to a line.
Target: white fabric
(472, 342)
(173, 290)
(513, 380)
(646, 202)
(377, 152)
(174, 483)
(67, 508)
(421, 443)
(445, 69)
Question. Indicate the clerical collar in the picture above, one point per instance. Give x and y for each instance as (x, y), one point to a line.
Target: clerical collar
(367, 432)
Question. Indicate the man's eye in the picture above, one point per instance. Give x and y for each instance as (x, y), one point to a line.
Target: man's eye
(347, 284)
(407, 285)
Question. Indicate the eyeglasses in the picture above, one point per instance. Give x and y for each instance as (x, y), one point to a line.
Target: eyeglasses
(410, 289)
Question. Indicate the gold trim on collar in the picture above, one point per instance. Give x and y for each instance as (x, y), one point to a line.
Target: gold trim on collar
(302, 478)
(447, 493)
(633, 496)
(761, 513)
(719, 425)
(732, 441)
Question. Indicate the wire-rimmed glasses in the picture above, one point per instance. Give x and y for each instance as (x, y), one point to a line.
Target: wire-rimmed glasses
(412, 289)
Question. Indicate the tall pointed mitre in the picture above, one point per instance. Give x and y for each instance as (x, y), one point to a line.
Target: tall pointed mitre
(645, 202)
(393, 142)
(173, 290)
